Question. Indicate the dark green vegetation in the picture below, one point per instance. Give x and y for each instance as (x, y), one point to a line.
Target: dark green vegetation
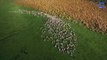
(20, 38)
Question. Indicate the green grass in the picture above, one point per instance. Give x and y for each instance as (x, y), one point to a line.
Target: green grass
(91, 45)
(18, 31)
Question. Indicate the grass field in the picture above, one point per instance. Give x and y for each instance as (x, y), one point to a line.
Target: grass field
(20, 31)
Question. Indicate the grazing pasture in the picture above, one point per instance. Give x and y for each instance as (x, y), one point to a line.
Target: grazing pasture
(20, 37)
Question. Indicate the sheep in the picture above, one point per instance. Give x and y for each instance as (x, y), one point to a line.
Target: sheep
(60, 35)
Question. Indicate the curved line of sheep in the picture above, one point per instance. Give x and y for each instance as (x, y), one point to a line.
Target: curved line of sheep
(55, 30)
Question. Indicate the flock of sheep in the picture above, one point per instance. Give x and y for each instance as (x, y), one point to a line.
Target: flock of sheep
(57, 31)
(60, 35)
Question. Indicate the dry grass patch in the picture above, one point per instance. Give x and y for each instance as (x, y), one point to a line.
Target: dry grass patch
(83, 10)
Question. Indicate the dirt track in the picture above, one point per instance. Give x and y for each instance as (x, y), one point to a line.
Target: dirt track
(83, 10)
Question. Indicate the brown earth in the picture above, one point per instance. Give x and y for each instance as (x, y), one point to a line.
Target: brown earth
(82, 10)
